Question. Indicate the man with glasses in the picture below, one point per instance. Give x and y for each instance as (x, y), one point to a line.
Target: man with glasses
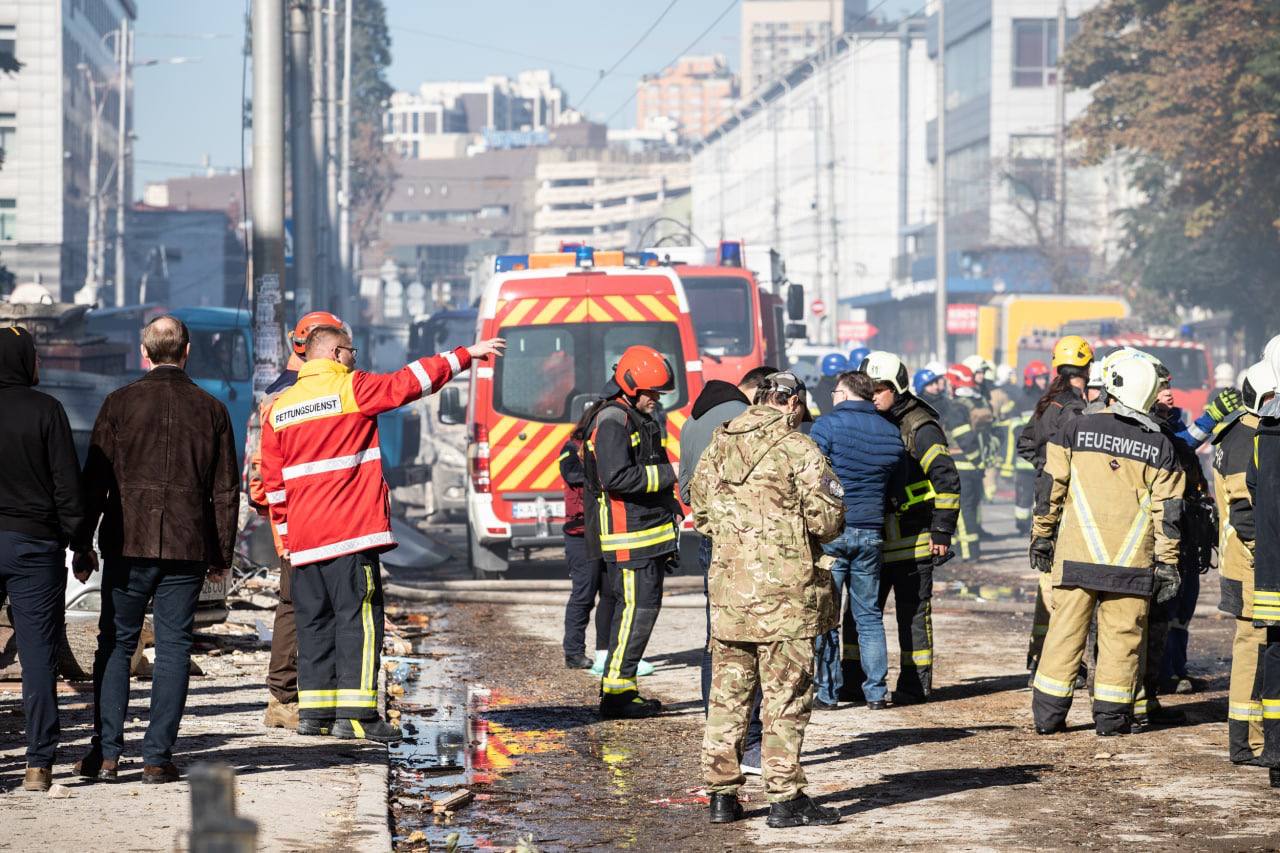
(321, 467)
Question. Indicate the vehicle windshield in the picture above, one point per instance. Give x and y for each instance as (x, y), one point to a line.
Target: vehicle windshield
(548, 367)
(1187, 364)
(721, 310)
(442, 333)
(219, 354)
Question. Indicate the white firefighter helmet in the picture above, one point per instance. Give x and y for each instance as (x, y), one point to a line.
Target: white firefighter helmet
(1224, 375)
(1271, 355)
(1132, 381)
(1125, 353)
(939, 368)
(1095, 375)
(1005, 374)
(884, 366)
(1259, 381)
(983, 370)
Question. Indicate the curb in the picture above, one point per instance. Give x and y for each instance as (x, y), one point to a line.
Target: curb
(371, 822)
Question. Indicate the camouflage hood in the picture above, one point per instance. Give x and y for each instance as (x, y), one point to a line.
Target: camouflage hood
(749, 437)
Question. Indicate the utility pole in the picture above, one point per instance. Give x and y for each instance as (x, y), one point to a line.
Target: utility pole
(818, 278)
(88, 295)
(833, 280)
(268, 192)
(124, 43)
(344, 191)
(332, 274)
(940, 292)
(302, 186)
(319, 153)
(1060, 137)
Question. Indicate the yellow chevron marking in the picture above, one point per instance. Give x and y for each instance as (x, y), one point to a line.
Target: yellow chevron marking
(553, 308)
(549, 473)
(518, 313)
(501, 428)
(579, 313)
(508, 453)
(655, 306)
(624, 307)
(548, 444)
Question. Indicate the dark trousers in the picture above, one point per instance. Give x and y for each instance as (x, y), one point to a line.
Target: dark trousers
(589, 578)
(1183, 607)
(338, 608)
(911, 583)
(755, 728)
(172, 587)
(638, 594)
(972, 491)
(282, 671)
(34, 578)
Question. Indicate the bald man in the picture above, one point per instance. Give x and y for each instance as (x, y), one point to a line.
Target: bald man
(161, 476)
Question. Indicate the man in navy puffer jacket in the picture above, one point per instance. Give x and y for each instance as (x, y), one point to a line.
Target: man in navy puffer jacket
(864, 449)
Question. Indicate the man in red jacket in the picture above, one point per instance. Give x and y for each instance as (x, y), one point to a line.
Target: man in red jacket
(321, 466)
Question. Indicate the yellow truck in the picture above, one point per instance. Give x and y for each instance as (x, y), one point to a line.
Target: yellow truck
(1015, 329)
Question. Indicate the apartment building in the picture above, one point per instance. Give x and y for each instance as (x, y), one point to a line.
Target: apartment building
(69, 82)
(776, 35)
(696, 93)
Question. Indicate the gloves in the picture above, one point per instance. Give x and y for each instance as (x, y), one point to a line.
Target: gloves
(1042, 554)
(1227, 401)
(1167, 583)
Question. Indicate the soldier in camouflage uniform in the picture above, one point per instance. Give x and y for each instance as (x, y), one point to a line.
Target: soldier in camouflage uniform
(766, 496)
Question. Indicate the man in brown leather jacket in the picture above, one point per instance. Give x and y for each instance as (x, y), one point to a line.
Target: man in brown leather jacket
(161, 475)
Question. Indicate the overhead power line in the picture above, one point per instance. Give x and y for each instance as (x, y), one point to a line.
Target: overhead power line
(583, 100)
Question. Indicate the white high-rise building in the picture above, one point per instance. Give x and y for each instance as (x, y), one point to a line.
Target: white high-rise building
(69, 79)
(775, 35)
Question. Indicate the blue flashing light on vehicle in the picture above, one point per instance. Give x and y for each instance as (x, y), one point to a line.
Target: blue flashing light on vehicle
(730, 253)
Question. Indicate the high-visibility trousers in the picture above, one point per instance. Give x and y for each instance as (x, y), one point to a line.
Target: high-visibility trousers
(637, 600)
(1122, 621)
(911, 582)
(1244, 707)
(337, 605)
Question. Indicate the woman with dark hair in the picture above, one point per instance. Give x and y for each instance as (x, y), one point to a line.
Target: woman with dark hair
(1061, 404)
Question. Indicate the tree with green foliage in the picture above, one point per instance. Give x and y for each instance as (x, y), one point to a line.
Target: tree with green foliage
(1188, 92)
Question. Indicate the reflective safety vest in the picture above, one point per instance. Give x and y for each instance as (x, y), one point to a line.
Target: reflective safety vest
(925, 493)
(630, 509)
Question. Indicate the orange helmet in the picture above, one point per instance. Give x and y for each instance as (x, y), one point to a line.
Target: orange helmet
(308, 322)
(643, 368)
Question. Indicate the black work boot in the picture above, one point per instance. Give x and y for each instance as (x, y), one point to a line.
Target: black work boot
(725, 808)
(378, 731)
(1274, 775)
(578, 662)
(801, 811)
(628, 706)
(313, 727)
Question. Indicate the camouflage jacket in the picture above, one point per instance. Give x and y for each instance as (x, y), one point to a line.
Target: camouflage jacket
(767, 498)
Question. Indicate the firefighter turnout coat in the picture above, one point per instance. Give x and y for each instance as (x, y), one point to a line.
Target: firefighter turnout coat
(629, 501)
(321, 462)
(925, 492)
(1114, 502)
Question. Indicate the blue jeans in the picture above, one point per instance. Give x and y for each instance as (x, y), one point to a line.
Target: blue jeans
(858, 556)
(172, 587)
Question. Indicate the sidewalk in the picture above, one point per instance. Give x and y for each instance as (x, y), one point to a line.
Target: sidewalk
(304, 793)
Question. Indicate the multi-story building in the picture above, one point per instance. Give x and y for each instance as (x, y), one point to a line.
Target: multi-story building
(607, 198)
(69, 82)
(826, 165)
(441, 119)
(697, 93)
(776, 35)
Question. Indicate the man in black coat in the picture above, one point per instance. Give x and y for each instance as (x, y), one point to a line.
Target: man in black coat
(40, 509)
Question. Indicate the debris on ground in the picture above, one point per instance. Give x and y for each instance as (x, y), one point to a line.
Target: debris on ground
(451, 803)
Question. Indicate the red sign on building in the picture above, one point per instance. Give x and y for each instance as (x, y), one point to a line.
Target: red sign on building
(962, 319)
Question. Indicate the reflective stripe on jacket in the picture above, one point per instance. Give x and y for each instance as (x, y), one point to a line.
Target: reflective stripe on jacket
(1233, 448)
(321, 461)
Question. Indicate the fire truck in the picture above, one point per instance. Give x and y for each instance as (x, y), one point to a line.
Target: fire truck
(740, 322)
(567, 318)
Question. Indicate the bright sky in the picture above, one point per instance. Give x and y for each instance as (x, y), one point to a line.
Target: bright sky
(189, 113)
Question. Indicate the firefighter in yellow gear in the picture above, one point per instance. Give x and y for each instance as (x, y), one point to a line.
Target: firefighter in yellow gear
(968, 422)
(1109, 537)
(1232, 450)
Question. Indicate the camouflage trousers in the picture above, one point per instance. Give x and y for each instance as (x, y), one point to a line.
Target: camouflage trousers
(784, 672)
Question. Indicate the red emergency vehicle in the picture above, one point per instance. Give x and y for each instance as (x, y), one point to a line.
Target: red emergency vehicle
(1188, 361)
(740, 323)
(567, 318)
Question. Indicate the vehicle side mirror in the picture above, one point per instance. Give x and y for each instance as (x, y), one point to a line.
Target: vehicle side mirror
(452, 410)
(795, 302)
(797, 331)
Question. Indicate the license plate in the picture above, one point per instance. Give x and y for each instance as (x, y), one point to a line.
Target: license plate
(529, 509)
(214, 590)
